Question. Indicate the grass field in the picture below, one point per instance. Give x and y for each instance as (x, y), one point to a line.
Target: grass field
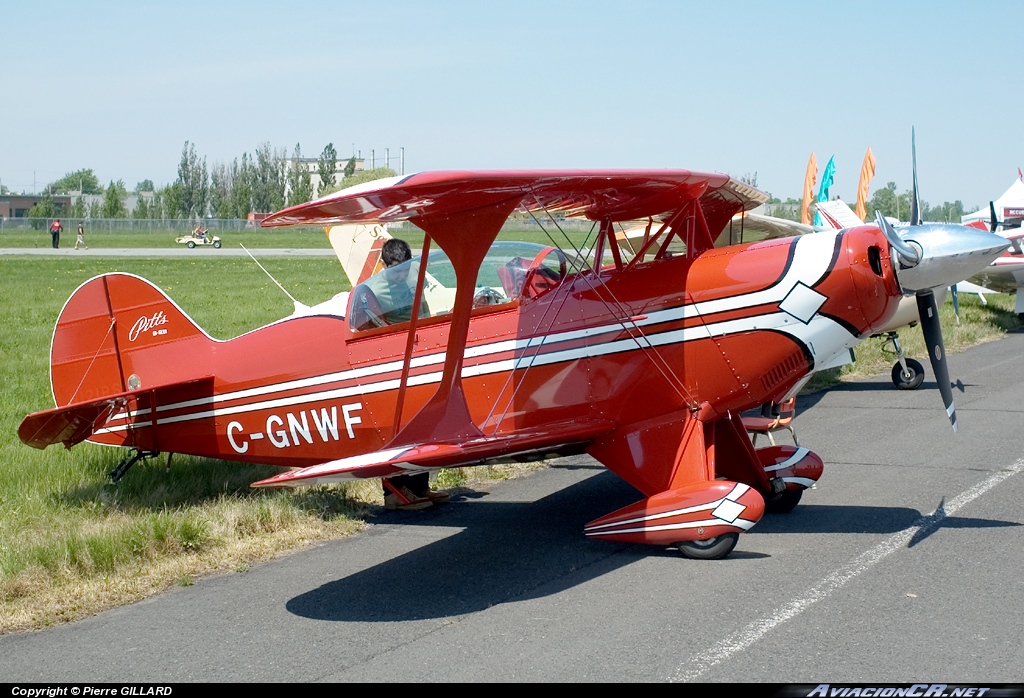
(72, 544)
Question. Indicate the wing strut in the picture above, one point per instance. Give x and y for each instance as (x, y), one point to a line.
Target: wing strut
(465, 237)
(410, 339)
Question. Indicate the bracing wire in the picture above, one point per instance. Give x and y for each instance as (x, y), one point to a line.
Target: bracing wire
(644, 344)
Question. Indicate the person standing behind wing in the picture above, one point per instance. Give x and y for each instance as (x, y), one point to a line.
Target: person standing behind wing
(384, 299)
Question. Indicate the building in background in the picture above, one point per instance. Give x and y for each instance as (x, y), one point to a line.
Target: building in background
(312, 165)
(18, 205)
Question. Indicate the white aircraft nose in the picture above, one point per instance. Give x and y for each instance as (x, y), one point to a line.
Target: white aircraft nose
(949, 254)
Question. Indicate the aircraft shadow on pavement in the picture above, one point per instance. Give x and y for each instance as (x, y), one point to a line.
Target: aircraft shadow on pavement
(928, 386)
(509, 551)
(505, 552)
(811, 518)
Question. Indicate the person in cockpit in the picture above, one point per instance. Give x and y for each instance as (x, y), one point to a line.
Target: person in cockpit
(386, 298)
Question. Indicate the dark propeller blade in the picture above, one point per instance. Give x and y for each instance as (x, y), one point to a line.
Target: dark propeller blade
(908, 255)
(956, 302)
(993, 222)
(915, 204)
(936, 350)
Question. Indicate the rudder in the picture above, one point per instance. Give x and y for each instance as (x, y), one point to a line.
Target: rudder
(119, 332)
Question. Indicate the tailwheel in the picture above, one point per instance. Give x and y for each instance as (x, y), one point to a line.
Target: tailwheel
(127, 462)
(784, 502)
(711, 549)
(912, 379)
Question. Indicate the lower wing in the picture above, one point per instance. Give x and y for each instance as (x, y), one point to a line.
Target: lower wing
(558, 438)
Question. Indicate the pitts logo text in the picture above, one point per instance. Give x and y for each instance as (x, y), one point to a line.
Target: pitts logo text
(145, 324)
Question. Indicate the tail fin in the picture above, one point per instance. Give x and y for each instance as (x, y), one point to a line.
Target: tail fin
(119, 333)
(358, 248)
(837, 215)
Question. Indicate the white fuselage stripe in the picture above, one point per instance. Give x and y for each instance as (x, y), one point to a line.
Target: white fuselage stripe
(745, 524)
(812, 257)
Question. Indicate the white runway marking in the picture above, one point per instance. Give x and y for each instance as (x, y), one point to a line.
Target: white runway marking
(699, 664)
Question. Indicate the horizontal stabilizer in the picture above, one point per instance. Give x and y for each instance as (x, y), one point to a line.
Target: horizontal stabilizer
(550, 439)
(67, 425)
(968, 287)
(757, 226)
(838, 215)
(75, 423)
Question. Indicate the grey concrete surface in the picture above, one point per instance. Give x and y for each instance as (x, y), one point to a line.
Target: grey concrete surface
(904, 564)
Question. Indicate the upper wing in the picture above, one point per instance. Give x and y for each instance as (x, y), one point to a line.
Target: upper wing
(616, 195)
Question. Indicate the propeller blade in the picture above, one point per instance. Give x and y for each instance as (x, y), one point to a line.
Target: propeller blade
(993, 221)
(956, 302)
(909, 256)
(915, 204)
(936, 350)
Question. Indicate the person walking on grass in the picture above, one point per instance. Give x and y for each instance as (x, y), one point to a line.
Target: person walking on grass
(81, 237)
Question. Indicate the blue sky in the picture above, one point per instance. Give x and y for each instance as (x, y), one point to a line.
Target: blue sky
(737, 87)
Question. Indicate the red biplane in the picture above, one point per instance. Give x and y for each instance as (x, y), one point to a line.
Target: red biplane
(640, 351)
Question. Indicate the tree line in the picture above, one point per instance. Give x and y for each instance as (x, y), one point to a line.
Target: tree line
(266, 181)
(889, 202)
(270, 179)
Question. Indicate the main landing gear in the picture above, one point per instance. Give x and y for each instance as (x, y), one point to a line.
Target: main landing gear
(783, 502)
(907, 374)
(710, 549)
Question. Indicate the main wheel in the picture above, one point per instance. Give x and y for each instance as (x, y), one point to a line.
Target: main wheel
(710, 549)
(911, 380)
(190, 244)
(784, 502)
(217, 244)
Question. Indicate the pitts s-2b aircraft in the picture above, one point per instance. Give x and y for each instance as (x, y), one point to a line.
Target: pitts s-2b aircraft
(641, 353)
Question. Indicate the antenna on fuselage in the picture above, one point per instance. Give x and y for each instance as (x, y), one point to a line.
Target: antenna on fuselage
(300, 308)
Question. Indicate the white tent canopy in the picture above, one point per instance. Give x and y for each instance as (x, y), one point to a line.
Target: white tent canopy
(1008, 206)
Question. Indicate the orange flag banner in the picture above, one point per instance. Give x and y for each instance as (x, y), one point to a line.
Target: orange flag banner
(809, 180)
(867, 171)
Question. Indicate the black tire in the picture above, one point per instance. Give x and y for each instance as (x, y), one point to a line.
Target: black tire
(217, 244)
(914, 381)
(190, 244)
(712, 549)
(784, 502)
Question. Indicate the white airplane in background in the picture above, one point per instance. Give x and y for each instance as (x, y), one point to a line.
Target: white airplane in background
(1003, 217)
